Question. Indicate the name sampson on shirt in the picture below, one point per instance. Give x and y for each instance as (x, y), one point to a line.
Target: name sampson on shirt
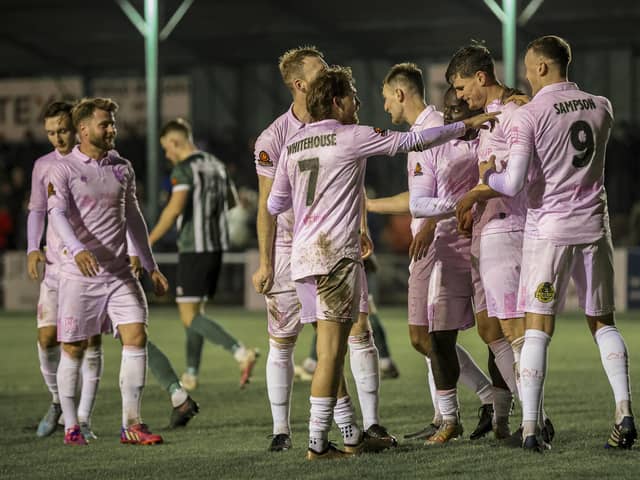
(574, 105)
(312, 142)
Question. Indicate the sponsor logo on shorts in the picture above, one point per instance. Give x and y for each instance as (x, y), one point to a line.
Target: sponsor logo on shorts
(380, 131)
(179, 291)
(264, 159)
(70, 324)
(417, 172)
(545, 292)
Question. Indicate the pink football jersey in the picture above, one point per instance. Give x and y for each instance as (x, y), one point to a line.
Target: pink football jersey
(268, 147)
(428, 118)
(97, 199)
(502, 214)
(38, 203)
(321, 174)
(450, 171)
(564, 131)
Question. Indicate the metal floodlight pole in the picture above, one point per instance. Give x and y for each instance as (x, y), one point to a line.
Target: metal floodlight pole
(148, 27)
(509, 46)
(151, 66)
(508, 17)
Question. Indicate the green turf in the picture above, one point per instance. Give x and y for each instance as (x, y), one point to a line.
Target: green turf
(229, 437)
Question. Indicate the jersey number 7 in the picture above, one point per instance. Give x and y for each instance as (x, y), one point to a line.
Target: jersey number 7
(312, 165)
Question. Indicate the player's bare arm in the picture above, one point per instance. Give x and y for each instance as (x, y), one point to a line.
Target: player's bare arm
(160, 282)
(422, 240)
(366, 244)
(486, 165)
(169, 215)
(480, 121)
(87, 263)
(33, 259)
(394, 205)
(266, 228)
(480, 193)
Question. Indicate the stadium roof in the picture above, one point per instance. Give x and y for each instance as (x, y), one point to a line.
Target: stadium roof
(42, 37)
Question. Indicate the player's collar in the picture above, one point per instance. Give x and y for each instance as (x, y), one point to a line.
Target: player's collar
(423, 115)
(557, 87)
(293, 118)
(87, 159)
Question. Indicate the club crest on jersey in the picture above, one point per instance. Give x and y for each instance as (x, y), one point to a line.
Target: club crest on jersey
(545, 292)
(264, 159)
(380, 131)
(417, 172)
(51, 191)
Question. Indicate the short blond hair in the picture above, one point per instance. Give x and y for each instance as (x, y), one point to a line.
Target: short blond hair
(86, 107)
(291, 62)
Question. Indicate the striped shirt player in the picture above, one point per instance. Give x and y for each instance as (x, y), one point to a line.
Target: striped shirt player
(203, 232)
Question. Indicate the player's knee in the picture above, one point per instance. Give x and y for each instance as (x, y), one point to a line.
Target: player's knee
(47, 337)
(420, 340)
(489, 333)
(75, 349)
(597, 322)
(361, 325)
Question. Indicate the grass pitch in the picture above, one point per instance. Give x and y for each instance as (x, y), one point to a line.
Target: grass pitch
(228, 439)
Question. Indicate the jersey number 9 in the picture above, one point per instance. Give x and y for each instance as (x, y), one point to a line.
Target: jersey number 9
(581, 136)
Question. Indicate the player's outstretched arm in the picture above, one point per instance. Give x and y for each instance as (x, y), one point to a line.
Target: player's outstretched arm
(394, 205)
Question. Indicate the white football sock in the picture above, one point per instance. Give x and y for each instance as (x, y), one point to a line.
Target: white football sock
(363, 356)
(344, 416)
(280, 371)
(448, 403)
(472, 376)
(504, 360)
(431, 382)
(133, 370)
(92, 366)
(533, 368)
(49, 359)
(178, 397)
(68, 371)
(516, 346)
(615, 360)
(320, 417)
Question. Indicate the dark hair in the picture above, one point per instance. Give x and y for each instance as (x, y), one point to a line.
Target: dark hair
(553, 48)
(57, 108)
(407, 73)
(177, 125)
(469, 60)
(87, 106)
(333, 82)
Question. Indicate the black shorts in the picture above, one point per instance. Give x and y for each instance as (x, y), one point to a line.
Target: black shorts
(197, 276)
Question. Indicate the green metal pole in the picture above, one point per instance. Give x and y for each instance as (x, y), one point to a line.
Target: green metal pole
(153, 152)
(509, 49)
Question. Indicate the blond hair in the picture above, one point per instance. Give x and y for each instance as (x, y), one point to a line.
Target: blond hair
(291, 63)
